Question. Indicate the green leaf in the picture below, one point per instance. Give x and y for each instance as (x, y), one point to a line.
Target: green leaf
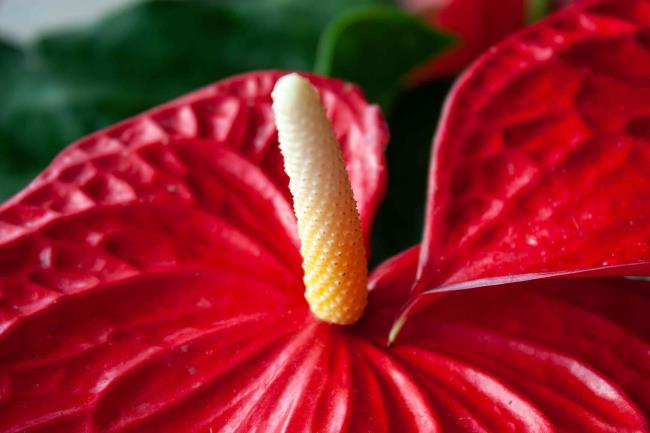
(376, 47)
(537, 9)
(12, 66)
(412, 125)
(10, 182)
(47, 112)
(11, 58)
(171, 47)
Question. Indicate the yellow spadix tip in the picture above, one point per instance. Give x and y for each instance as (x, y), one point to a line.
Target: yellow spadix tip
(334, 259)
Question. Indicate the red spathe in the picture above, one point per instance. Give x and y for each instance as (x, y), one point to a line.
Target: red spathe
(474, 25)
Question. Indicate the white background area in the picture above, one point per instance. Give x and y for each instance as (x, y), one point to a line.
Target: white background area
(22, 20)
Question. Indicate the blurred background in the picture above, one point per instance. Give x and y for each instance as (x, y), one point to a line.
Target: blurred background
(71, 67)
(23, 20)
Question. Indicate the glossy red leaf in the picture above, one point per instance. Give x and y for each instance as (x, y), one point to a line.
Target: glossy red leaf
(540, 163)
(476, 25)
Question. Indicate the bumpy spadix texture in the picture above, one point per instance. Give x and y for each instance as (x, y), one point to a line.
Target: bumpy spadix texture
(334, 258)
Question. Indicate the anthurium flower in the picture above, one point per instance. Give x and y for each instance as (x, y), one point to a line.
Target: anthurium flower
(475, 24)
(150, 278)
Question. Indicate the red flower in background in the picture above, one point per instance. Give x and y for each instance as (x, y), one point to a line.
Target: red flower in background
(150, 278)
(475, 24)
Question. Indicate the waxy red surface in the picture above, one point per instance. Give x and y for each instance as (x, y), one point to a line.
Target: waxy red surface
(150, 279)
(541, 161)
(475, 25)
